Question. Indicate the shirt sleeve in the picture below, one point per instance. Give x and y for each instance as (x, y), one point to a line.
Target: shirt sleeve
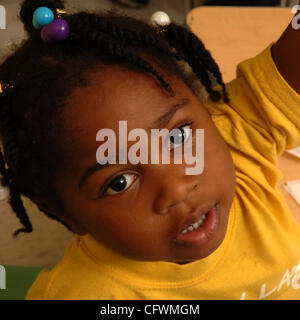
(262, 98)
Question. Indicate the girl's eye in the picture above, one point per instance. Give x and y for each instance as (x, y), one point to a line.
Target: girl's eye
(179, 136)
(120, 183)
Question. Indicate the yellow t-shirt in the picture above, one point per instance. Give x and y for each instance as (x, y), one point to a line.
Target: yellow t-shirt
(260, 255)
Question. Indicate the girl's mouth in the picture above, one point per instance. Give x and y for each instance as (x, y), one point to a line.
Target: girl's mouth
(201, 231)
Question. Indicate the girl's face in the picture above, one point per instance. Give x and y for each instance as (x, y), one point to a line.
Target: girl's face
(140, 210)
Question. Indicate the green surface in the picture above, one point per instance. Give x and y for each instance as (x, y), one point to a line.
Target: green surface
(18, 281)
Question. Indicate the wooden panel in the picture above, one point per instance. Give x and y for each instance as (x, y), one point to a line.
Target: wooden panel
(233, 34)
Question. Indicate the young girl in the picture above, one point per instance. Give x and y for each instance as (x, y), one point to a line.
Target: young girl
(150, 231)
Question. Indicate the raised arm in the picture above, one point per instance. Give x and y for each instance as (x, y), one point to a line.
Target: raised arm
(286, 53)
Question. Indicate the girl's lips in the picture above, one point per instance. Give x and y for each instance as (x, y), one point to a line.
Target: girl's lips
(204, 232)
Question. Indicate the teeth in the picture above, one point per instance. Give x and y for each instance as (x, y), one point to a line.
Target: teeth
(195, 225)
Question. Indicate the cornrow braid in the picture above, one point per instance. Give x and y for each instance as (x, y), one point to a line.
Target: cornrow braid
(3, 171)
(88, 31)
(15, 198)
(17, 205)
(7, 179)
(197, 56)
(29, 118)
(134, 37)
(7, 176)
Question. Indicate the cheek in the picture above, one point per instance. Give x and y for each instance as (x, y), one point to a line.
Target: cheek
(218, 161)
(115, 223)
(132, 235)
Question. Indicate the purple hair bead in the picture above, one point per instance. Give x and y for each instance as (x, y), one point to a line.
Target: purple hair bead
(57, 30)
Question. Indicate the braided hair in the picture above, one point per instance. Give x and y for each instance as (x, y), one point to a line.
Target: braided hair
(43, 76)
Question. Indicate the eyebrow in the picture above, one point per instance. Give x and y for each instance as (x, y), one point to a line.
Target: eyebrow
(160, 122)
(164, 119)
(89, 171)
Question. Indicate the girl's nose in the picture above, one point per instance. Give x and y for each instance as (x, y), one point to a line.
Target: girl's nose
(173, 191)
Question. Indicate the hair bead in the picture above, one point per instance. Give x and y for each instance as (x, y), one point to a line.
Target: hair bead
(52, 29)
(41, 17)
(58, 30)
(160, 18)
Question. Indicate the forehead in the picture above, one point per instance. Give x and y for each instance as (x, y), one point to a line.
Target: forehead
(116, 93)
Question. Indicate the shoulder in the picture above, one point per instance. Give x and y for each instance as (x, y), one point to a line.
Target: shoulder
(76, 277)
